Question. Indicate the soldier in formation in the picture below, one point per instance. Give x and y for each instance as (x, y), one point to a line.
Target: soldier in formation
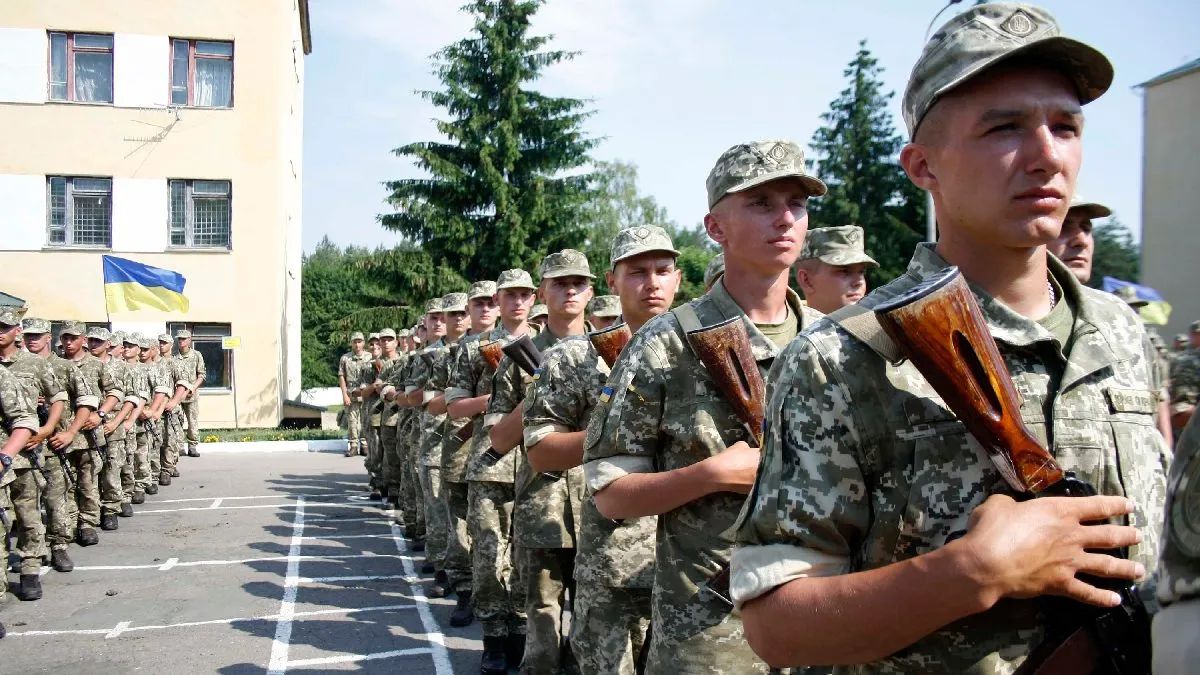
(832, 270)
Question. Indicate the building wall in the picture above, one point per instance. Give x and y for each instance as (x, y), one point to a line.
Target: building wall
(1170, 200)
(140, 143)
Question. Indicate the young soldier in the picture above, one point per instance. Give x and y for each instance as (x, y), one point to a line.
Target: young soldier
(1074, 245)
(1185, 381)
(88, 446)
(546, 510)
(832, 270)
(177, 386)
(371, 417)
(112, 494)
(456, 573)
(879, 534)
(614, 561)
(537, 315)
(604, 311)
(25, 490)
(414, 379)
(490, 487)
(160, 389)
(18, 423)
(348, 373)
(391, 363)
(142, 383)
(191, 364)
(666, 443)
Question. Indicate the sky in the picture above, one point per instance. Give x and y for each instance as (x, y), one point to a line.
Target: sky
(673, 83)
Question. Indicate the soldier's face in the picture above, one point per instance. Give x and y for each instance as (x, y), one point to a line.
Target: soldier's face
(71, 344)
(435, 325)
(1075, 245)
(1001, 157)
(484, 312)
(828, 288)
(131, 351)
(567, 296)
(97, 347)
(184, 344)
(457, 323)
(37, 343)
(515, 303)
(164, 348)
(356, 346)
(8, 335)
(646, 285)
(761, 229)
(388, 345)
(146, 354)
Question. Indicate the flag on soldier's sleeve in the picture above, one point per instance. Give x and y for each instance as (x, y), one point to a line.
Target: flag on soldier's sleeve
(130, 286)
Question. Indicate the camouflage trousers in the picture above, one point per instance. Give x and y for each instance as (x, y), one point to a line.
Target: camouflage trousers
(608, 628)
(191, 414)
(458, 536)
(25, 499)
(374, 460)
(143, 469)
(127, 482)
(549, 573)
(435, 515)
(499, 588)
(154, 444)
(389, 460)
(6, 525)
(112, 492)
(173, 439)
(70, 506)
(356, 442)
(412, 500)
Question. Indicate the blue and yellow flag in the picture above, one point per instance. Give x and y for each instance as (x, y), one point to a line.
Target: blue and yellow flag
(131, 286)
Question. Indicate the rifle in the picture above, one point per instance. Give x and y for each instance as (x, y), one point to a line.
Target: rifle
(466, 431)
(94, 445)
(940, 328)
(724, 351)
(524, 353)
(611, 341)
(492, 352)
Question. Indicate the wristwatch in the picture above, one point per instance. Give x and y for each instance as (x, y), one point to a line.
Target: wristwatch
(5, 461)
(103, 415)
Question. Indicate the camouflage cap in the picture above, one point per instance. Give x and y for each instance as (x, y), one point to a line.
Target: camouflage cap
(716, 267)
(481, 289)
(35, 326)
(1194, 327)
(842, 245)
(454, 302)
(11, 315)
(99, 333)
(118, 337)
(633, 241)
(145, 341)
(183, 333)
(73, 328)
(605, 306)
(538, 310)
(566, 263)
(356, 335)
(164, 337)
(1181, 339)
(1088, 209)
(372, 336)
(988, 34)
(749, 164)
(433, 306)
(1130, 295)
(387, 333)
(404, 332)
(131, 339)
(514, 279)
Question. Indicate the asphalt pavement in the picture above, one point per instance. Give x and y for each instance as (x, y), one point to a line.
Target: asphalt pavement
(247, 563)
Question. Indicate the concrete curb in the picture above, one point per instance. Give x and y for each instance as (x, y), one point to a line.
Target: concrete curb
(329, 445)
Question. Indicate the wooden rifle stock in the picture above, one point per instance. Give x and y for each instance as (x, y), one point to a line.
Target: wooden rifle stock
(492, 353)
(724, 350)
(611, 341)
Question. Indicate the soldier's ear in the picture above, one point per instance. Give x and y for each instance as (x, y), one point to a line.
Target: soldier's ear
(914, 158)
(714, 227)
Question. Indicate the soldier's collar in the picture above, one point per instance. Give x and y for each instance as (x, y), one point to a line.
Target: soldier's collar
(761, 345)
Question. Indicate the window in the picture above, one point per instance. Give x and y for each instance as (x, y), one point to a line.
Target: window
(206, 339)
(202, 73)
(79, 211)
(81, 67)
(200, 213)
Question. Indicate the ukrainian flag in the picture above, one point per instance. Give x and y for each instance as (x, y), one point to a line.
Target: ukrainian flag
(131, 286)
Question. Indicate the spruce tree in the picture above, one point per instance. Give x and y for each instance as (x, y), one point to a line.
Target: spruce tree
(504, 188)
(856, 154)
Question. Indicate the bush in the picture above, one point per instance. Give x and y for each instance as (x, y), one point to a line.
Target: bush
(248, 435)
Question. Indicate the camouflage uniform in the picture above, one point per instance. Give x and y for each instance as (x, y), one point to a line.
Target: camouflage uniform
(390, 418)
(371, 419)
(172, 420)
(614, 561)
(429, 455)
(1175, 646)
(661, 411)
(455, 455)
(908, 475)
(112, 492)
(411, 488)
(350, 367)
(101, 380)
(160, 383)
(192, 367)
(1185, 381)
(18, 410)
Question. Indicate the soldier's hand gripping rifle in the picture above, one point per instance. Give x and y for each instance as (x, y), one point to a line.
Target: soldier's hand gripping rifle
(940, 328)
(528, 358)
(724, 351)
(611, 341)
(492, 352)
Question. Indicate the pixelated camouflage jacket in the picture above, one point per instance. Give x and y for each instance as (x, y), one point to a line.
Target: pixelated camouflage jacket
(864, 465)
(534, 491)
(391, 375)
(608, 552)
(18, 410)
(1185, 380)
(664, 412)
(1179, 567)
(41, 381)
(473, 377)
(433, 427)
(456, 454)
(79, 393)
(192, 366)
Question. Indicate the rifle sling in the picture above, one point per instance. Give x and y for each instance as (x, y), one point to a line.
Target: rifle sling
(862, 324)
(688, 321)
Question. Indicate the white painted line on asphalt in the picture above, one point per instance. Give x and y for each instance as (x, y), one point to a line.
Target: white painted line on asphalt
(336, 537)
(171, 562)
(335, 519)
(283, 630)
(282, 495)
(213, 622)
(355, 658)
(253, 506)
(326, 580)
(198, 563)
(216, 503)
(437, 641)
(117, 630)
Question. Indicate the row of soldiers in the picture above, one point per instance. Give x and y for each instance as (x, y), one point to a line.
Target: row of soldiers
(87, 433)
(869, 532)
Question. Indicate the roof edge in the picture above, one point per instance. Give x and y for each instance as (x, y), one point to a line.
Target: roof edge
(1174, 73)
(305, 31)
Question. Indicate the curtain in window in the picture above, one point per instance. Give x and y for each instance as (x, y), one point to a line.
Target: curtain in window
(93, 77)
(214, 83)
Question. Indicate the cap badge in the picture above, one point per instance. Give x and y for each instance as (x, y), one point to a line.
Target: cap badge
(1019, 24)
(641, 233)
(778, 152)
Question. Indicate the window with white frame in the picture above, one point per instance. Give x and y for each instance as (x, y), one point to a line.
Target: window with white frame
(200, 213)
(81, 67)
(202, 73)
(78, 211)
(206, 339)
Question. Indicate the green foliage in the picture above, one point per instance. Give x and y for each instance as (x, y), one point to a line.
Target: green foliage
(504, 188)
(856, 155)
(693, 260)
(615, 204)
(1116, 255)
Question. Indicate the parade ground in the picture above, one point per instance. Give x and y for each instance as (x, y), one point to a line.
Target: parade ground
(248, 563)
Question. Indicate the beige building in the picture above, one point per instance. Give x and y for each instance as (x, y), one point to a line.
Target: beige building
(168, 132)
(1170, 200)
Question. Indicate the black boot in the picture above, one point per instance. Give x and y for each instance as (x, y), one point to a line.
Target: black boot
(164, 478)
(192, 451)
(427, 568)
(441, 585)
(3, 632)
(462, 615)
(127, 509)
(31, 587)
(139, 497)
(108, 521)
(174, 472)
(375, 496)
(494, 661)
(514, 649)
(60, 561)
(88, 536)
(418, 545)
(151, 489)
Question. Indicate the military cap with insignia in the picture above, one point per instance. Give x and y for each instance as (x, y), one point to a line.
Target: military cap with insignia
(565, 263)
(35, 326)
(481, 289)
(433, 306)
(98, 333)
(387, 333)
(841, 245)
(10, 315)
(605, 306)
(748, 165)
(538, 310)
(454, 302)
(73, 328)
(641, 239)
(515, 279)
